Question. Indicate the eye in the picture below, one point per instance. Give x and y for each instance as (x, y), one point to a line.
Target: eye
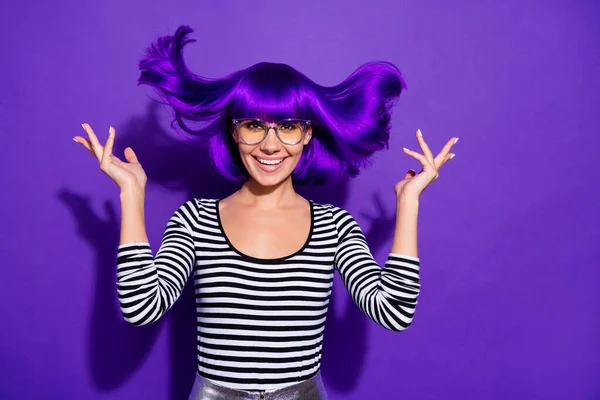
(253, 125)
(289, 126)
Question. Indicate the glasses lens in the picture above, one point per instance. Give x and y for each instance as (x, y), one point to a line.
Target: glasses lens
(252, 131)
(290, 132)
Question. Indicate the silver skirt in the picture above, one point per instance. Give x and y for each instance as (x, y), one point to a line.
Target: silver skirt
(310, 389)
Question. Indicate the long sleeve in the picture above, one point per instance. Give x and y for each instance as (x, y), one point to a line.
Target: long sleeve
(148, 286)
(386, 295)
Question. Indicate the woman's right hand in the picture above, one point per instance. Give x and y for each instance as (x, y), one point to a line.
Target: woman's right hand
(128, 174)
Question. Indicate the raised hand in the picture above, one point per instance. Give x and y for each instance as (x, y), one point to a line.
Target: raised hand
(414, 184)
(125, 174)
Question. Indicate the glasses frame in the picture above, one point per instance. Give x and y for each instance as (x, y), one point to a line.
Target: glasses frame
(306, 124)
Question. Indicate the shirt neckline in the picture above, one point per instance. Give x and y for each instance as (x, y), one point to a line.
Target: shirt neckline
(267, 260)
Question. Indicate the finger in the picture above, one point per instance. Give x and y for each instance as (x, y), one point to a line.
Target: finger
(410, 174)
(442, 156)
(109, 145)
(426, 151)
(85, 143)
(116, 159)
(422, 159)
(427, 167)
(448, 157)
(130, 156)
(96, 146)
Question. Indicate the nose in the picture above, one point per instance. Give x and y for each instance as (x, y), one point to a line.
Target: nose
(271, 144)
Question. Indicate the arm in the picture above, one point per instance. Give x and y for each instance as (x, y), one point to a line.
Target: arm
(388, 296)
(133, 226)
(405, 236)
(148, 286)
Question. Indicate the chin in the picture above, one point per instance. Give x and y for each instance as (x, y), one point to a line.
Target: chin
(269, 181)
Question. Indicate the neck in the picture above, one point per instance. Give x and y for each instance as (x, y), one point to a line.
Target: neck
(255, 194)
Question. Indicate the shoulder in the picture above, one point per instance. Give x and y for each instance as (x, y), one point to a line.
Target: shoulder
(337, 216)
(205, 204)
(196, 209)
(336, 212)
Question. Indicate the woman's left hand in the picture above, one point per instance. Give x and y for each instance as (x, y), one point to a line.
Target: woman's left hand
(414, 184)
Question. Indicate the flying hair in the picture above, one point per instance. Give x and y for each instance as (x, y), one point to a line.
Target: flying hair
(351, 120)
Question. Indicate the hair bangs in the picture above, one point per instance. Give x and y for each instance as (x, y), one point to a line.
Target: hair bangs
(271, 92)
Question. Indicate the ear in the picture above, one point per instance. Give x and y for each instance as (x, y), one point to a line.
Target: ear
(308, 135)
(234, 135)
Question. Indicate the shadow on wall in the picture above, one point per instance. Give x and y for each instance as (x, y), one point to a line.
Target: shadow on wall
(115, 348)
(345, 341)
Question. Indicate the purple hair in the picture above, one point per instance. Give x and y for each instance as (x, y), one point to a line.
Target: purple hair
(351, 120)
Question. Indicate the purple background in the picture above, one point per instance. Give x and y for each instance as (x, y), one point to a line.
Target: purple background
(508, 236)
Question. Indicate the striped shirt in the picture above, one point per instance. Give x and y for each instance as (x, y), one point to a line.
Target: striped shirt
(261, 321)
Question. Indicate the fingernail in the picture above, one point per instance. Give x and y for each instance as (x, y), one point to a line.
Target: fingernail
(452, 156)
(456, 141)
(405, 149)
(111, 129)
(419, 132)
(75, 140)
(83, 126)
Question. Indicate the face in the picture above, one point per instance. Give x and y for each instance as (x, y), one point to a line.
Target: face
(271, 162)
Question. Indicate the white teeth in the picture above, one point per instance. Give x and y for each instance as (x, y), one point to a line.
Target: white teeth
(269, 162)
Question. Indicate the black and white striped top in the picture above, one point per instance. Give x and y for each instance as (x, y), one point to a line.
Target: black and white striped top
(260, 322)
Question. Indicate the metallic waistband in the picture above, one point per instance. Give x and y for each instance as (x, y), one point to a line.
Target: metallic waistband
(309, 389)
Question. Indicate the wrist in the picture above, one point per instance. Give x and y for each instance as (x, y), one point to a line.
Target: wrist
(132, 191)
(407, 199)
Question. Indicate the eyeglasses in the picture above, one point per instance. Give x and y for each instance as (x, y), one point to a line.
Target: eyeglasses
(289, 131)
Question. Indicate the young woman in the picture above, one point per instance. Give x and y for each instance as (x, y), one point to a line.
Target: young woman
(263, 259)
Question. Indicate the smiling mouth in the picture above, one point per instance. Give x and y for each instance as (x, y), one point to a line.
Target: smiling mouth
(265, 161)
